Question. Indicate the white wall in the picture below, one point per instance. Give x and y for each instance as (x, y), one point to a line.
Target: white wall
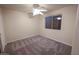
(75, 47)
(2, 30)
(18, 25)
(66, 34)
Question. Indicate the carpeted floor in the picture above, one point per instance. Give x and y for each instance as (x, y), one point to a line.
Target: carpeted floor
(37, 45)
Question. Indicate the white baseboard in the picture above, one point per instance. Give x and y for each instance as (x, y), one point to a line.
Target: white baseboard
(40, 35)
(57, 40)
(21, 38)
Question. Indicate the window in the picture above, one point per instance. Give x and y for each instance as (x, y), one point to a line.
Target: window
(53, 22)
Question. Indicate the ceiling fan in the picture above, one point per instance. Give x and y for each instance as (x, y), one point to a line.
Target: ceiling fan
(38, 10)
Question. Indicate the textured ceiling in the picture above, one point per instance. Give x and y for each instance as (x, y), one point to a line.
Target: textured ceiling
(28, 7)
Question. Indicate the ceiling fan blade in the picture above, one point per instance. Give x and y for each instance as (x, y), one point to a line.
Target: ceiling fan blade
(41, 13)
(30, 14)
(43, 10)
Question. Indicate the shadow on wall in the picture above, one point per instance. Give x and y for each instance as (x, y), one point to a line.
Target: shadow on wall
(0, 44)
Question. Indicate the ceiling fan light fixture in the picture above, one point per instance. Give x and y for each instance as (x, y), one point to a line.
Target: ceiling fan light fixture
(38, 11)
(35, 12)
